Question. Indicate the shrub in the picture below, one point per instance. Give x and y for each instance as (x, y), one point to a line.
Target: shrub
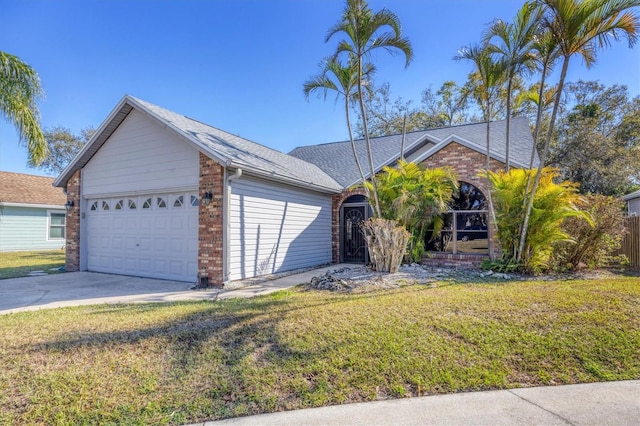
(552, 205)
(594, 242)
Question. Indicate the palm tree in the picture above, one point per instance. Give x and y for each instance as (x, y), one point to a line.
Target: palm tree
(581, 27)
(366, 32)
(486, 83)
(19, 90)
(341, 79)
(514, 47)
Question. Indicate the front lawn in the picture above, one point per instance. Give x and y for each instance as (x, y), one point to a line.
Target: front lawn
(187, 362)
(15, 264)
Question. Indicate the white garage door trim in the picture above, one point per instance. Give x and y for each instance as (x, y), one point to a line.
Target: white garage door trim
(152, 235)
(276, 228)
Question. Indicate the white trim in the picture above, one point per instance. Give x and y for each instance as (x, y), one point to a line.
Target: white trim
(37, 206)
(631, 196)
(64, 226)
(288, 181)
(468, 144)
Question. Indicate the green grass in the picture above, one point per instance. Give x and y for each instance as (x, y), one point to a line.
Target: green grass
(188, 362)
(17, 264)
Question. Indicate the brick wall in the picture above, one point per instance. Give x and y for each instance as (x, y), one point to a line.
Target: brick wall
(72, 232)
(336, 203)
(210, 235)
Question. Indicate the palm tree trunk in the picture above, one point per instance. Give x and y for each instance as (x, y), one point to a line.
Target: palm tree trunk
(508, 124)
(492, 211)
(543, 159)
(353, 144)
(367, 141)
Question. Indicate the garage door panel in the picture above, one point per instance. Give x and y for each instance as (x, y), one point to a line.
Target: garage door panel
(142, 238)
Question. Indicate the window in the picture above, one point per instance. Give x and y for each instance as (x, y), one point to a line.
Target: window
(132, 205)
(178, 202)
(161, 203)
(94, 206)
(105, 205)
(464, 229)
(56, 226)
(147, 204)
(194, 200)
(119, 205)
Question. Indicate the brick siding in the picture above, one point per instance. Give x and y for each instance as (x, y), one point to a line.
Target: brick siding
(72, 232)
(210, 235)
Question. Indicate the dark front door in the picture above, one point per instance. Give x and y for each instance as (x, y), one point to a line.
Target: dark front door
(354, 248)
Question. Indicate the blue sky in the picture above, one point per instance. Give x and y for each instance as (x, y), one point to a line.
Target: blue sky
(236, 65)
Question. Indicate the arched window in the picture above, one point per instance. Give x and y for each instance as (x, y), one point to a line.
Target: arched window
(464, 229)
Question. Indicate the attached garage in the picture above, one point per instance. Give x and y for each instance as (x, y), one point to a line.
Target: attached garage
(276, 227)
(152, 235)
(157, 194)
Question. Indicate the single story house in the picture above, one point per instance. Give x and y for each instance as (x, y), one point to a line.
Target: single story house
(158, 194)
(32, 213)
(633, 203)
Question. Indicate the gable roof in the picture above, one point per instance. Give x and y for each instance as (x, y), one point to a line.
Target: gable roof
(337, 158)
(225, 148)
(20, 188)
(631, 196)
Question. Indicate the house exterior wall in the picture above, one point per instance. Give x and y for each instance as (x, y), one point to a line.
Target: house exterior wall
(141, 156)
(276, 227)
(210, 223)
(634, 207)
(27, 228)
(73, 223)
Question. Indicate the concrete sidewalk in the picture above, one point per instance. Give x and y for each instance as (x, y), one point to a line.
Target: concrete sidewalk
(93, 288)
(609, 403)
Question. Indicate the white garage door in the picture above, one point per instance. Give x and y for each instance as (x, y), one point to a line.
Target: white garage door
(154, 236)
(277, 228)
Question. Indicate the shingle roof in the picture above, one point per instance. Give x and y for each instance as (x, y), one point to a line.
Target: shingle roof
(336, 159)
(226, 148)
(21, 188)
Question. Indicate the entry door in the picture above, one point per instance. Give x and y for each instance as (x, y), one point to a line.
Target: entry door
(354, 247)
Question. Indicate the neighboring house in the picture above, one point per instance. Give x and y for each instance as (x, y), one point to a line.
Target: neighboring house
(158, 194)
(32, 213)
(633, 203)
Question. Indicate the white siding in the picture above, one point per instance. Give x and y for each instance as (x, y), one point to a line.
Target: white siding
(275, 228)
(26, 228)
(634, 207)
(141, 156)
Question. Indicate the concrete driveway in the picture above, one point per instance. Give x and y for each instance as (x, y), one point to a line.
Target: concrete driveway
(89, 288)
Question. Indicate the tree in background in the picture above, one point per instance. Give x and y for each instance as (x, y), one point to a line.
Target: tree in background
(62, 147)
(387, 117)
(597, 143)
(20, 90)
(579, 28)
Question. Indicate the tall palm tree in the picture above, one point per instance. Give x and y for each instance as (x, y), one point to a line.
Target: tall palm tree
(581, 27)
(486, 82)
(365, 32)
(341, 79)
(514, 46)
(19, 90)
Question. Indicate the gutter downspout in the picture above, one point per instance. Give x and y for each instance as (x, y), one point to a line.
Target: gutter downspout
(227, 225)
